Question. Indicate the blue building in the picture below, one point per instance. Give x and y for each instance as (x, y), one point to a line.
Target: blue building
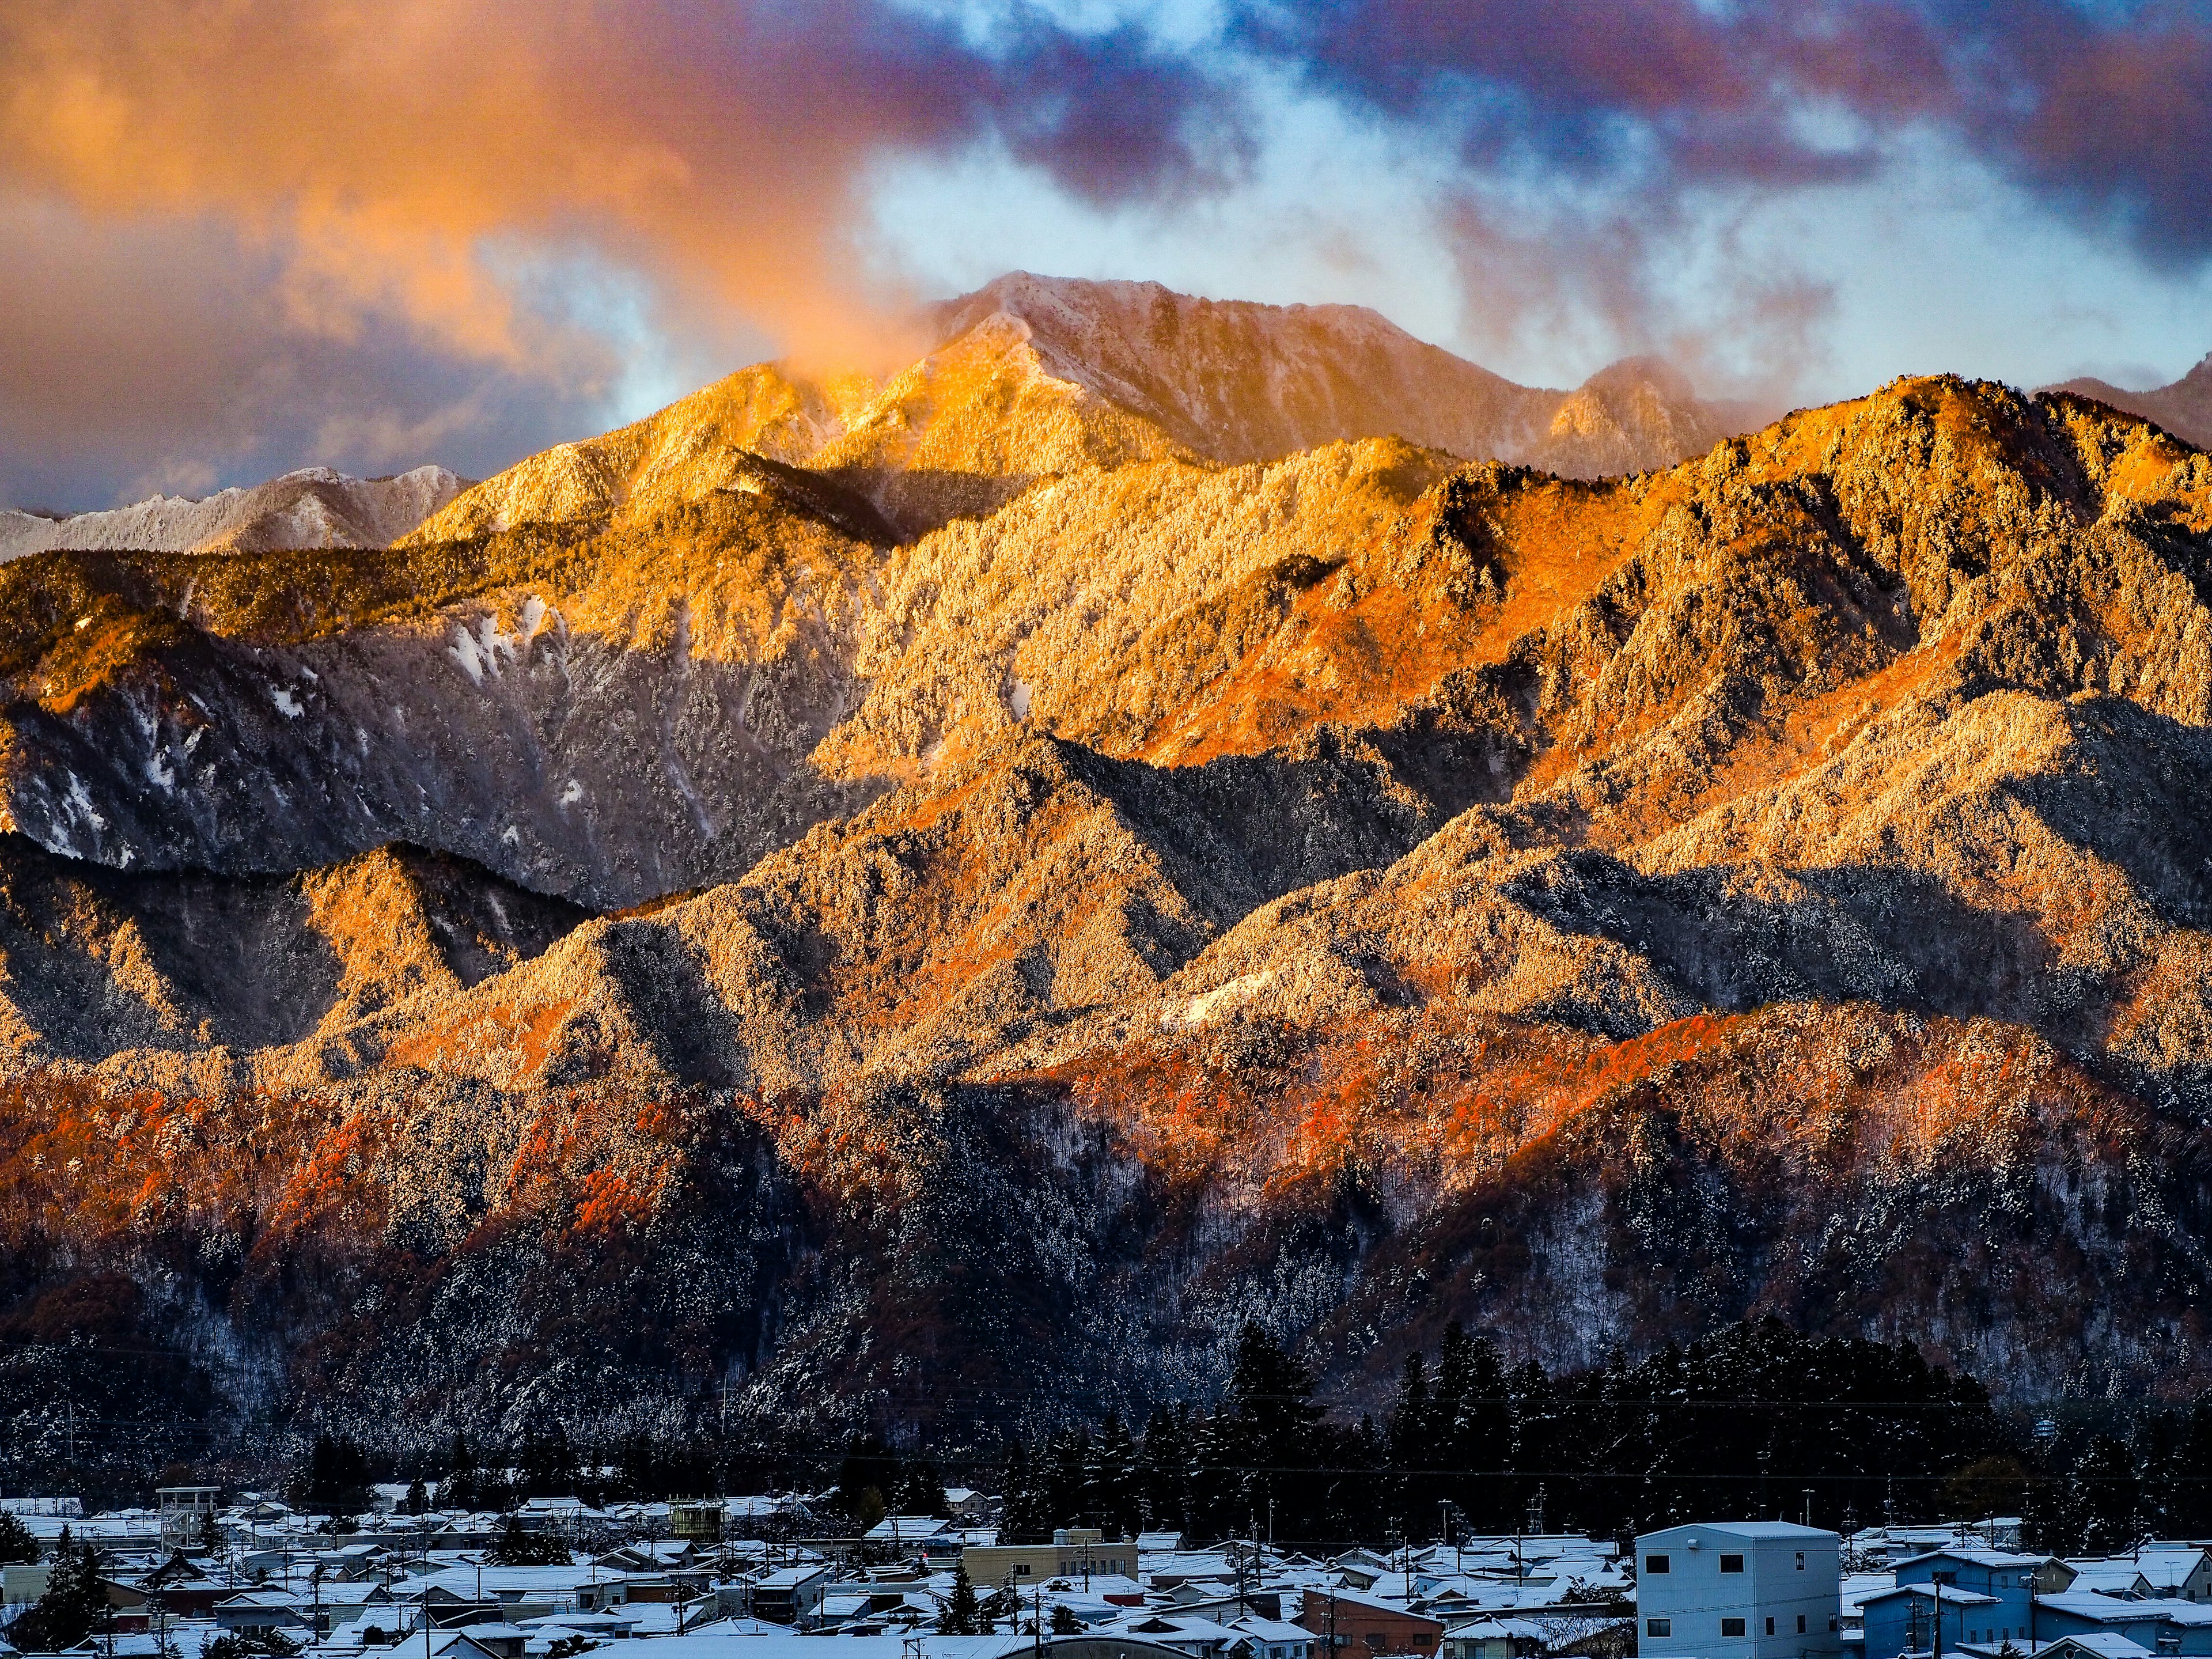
(1948, 1599)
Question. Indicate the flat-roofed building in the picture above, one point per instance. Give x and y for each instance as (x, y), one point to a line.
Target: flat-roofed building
(1738, 1589)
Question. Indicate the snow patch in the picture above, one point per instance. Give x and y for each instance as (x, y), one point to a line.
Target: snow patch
(1235, 994)
(80, 800)
(572, 795)
(286, 705)
(1017, 699)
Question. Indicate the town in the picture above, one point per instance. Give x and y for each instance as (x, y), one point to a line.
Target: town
(202, 1574)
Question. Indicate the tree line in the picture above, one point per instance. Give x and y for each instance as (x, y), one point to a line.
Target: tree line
(1755, 1421)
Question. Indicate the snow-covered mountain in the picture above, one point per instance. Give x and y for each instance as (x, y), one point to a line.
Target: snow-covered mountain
(1038, 376)
(314, 507)
(2184, 408)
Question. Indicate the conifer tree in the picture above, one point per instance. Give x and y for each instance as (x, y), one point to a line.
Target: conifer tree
(17, 1543)
(921, 1489)
(75, 1604)
(1111, 1498)
(962, 1615)
(1164, 1467)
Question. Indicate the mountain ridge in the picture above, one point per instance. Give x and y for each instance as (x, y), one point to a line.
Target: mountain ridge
(2184, 407)
(1351, 891)
(310, 507)
(1028, 375)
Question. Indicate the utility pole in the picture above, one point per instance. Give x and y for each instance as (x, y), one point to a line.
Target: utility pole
(1809, 1506)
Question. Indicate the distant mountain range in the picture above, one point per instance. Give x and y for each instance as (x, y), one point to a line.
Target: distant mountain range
(924, 902)
(2184, 408)
(313, 507)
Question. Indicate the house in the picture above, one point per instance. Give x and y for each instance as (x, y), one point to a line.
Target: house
(1074, 1553)
(1260, 1638)
(2164, 1625)
(1352, 1621)
(1929, 1617)
(260, 1610)
(1743, 1589)
(790, 1595)
(1978, 1595)
(1495, 1638)
(1200, 1638)
(2171, 1571)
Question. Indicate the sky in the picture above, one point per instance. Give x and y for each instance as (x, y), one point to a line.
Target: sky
(241, 236)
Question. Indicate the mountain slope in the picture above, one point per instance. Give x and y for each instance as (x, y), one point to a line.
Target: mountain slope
(2184, 407)
(1356, 889)
(1035, 377)
(314, 508)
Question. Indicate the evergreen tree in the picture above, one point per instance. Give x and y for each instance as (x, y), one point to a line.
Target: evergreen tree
(1412, 1425)
(2184, 1485)
(75, 1604)
(546, 1463)
(2051, 1518)
(251, 1644)
(2106, 1478)
(516, 1546)
(335, 1479)
(1027, 1517)
(17, 1543)
(418, 1501)
(868, 1480)
(962, 1616)
(1164, 1467)
(1066, 1461)
(1063, 1621)
(460, 1489)
(210, 1537)
(922, 1490)
(1110, 1479)
(1271, 1395)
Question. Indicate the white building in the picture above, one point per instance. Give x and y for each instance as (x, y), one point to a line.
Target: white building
(1742, 1590)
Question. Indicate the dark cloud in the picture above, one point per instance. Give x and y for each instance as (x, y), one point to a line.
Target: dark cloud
(2106, 110)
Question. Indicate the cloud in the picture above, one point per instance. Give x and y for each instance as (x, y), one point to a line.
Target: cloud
(366, 162)
(2106, 112)
(242, 234)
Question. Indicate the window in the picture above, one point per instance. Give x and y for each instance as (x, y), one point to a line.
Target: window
(1801, 1624)
(1944, 1577)
(1658, 1627)
(1731, 1627)
(1021, 1570)
(1832, 1621)
(1655, 1564)
(1801, 1561)
(1731, 1564)
(1769, 1626)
